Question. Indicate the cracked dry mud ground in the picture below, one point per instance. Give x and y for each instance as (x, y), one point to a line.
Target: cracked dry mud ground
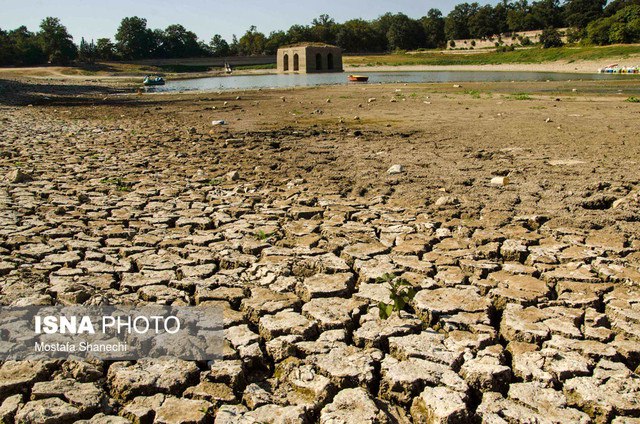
(528, 295)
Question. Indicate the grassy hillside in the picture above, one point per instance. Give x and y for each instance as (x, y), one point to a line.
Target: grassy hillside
(530, 55)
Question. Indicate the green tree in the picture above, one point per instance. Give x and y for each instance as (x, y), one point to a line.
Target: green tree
(550, 37)
(178, 42)
(299, 33)
(252, 42)
(457, 21)
(87, 51)
(157, 47)
(134, 40)
(56, 42)
(233, 47)
(275, 40)
(219, 46)
(433, 25)
(405, 33)
(105, 49)
(578, 13)
(358, 35)
(622, 27)
(482, 23)
(548, 13)
(323, 29)
(24, 48)
(500, 14)
(518, 16)
(6, 53)
(614, 6)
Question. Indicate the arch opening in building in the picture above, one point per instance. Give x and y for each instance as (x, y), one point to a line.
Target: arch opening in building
(310, 58)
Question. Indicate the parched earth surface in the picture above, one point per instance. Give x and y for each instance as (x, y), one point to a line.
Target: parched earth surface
(527, 305)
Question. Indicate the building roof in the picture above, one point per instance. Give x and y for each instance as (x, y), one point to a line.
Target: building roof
(306, 44)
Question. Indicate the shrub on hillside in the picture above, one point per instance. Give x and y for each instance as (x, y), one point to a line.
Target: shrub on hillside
(623, 27)
(550, 37)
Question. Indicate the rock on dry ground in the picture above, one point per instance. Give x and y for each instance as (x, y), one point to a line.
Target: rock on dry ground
(528, 293)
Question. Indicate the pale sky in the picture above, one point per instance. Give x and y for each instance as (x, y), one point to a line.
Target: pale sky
(93, 19)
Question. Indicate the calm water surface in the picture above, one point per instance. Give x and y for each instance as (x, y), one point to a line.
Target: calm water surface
(280, 81)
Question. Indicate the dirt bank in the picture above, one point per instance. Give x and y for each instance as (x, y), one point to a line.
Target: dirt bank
(584, 67)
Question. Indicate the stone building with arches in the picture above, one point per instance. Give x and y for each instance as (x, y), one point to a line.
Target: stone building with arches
(307, 58)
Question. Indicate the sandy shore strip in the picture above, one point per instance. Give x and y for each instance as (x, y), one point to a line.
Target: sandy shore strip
(582, 67)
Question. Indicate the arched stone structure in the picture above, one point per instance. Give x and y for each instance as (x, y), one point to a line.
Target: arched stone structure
(296, 62)
(309, 58)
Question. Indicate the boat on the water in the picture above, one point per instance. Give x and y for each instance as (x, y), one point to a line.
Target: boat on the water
(153, 80)
(358, 78)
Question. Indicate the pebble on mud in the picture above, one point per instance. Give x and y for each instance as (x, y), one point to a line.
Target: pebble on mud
(395, 169)
(500, 181)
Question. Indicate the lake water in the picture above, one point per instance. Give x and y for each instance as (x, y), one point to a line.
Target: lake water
(241, 82)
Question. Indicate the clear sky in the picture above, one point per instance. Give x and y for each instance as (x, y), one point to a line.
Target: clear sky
(94, 19)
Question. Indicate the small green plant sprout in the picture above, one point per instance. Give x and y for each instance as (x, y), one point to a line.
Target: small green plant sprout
(521, 96)
(261, 235)
(473, 93)
(401, 294)
(215, 181)
(119, 183)
(633, 99)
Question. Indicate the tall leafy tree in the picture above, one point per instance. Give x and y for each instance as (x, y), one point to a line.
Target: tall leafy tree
(177, 41)
(614, 6)
(358, 35)
(56, 42)
(219, 46)
(457, 21)
(622, 27)
(324, 29)
(87, 51)
(105, 49)
(299, 33)
(234, 46)
(252, 42)
(578, 13)
(24, 47)
(275, 40)
(500, 14)
(134, 40)
(548, 13)
(433, 25)
(482, 23)
(6, 53)
(405, 33)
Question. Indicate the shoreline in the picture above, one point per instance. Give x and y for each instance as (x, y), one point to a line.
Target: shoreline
(59, 74)
(586, 67)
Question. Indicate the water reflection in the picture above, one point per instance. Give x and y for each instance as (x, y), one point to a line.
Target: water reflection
(301, 80)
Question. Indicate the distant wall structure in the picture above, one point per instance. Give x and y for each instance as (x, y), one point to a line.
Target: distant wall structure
(308, 58)
(503, 40)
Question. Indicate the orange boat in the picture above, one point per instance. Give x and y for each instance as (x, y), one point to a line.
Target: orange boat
(358, 78)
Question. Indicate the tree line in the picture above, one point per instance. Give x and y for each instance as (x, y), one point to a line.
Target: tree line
(590, 21)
